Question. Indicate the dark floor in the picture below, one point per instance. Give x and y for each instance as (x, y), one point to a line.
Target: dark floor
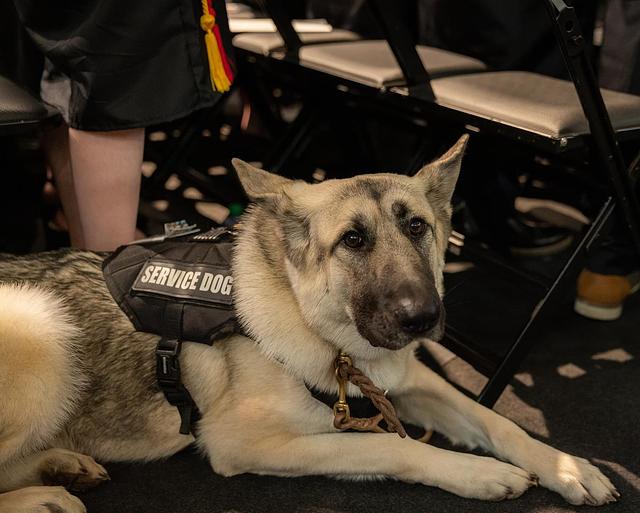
(578, 390)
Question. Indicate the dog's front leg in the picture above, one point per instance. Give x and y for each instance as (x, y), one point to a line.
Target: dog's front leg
(358, 455)
(52, 467)
(428, 400)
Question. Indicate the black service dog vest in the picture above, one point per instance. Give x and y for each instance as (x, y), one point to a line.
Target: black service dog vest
(179, 288)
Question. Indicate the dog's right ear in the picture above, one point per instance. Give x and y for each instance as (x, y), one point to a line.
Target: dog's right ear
(259, 184)
(440, 176)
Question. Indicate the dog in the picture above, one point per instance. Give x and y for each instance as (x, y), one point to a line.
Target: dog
(352, 266)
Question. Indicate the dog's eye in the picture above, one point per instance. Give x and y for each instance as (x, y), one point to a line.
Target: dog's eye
(353, 239)
(417, 226)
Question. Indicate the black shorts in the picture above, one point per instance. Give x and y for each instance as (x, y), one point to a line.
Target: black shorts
(118, 64)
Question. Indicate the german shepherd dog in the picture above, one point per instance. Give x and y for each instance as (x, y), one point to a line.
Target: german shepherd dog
(350, 265)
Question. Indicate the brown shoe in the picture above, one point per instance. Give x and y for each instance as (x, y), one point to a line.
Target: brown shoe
(601, 296)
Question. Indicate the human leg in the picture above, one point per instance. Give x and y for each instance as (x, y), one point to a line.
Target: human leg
(106, 175)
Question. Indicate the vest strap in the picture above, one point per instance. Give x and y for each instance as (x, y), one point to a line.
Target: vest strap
(168, 372)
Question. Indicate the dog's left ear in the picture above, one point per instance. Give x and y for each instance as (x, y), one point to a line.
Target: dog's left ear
(440, 176)
(258, 183)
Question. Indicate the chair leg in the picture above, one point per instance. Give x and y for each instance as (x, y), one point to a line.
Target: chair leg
(175, 161)
(608, 155)
(521, 347)
(573, 46)
(294, 139)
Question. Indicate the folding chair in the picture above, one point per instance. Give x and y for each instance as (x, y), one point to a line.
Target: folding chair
(368, 63)
(19, 111)
(21, 116)
(547, 113)
(268, 43)
(555, 116)
(255, 50)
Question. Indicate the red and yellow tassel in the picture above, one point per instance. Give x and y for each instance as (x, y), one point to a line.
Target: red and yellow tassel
(219, 68)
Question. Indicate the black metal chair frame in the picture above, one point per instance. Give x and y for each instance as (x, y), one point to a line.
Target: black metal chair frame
(417, 100)
(19, 126)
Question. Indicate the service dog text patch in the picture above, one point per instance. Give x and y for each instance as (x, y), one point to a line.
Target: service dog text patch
(201, 282)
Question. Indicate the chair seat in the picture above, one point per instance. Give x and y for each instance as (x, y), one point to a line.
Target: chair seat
(372, 62)
(236, 10)
(533, 102)
(266, 43)
(18, 106)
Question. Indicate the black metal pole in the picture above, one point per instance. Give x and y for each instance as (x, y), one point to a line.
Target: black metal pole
(521, 347)
(403, 48)
(278, 13)
(573, 46)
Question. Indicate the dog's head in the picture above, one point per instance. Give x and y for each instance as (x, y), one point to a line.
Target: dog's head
(364, 256)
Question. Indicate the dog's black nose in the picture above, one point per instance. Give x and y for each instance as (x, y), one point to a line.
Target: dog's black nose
(416, 317)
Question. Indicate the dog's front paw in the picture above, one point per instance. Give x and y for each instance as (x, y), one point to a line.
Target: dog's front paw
(491, 480)
(578, 481)
(74, 471)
